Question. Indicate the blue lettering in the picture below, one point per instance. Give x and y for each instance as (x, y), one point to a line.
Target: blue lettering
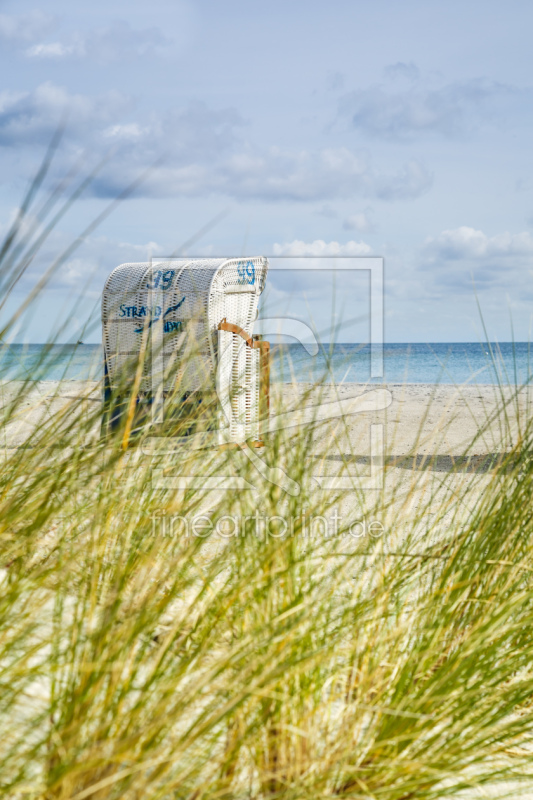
(172, 325)
(155, 313)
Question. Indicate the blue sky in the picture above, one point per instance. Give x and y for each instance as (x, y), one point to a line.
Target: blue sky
(372, 128)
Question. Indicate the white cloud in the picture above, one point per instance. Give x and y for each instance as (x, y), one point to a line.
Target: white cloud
(52, 50)
(471, 244)
(242, 170)
(456, 256)
(26, 27)
(324, 174)
(201, 151)
(321, 248)
(115, 42)
(124, 132)
(394, 111)
(32, 117)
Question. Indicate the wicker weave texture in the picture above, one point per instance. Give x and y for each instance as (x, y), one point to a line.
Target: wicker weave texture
(174, 308)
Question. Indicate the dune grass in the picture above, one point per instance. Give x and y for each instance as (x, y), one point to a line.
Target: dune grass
(150, 650)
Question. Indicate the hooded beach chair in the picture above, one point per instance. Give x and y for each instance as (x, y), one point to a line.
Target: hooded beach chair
(184, 329)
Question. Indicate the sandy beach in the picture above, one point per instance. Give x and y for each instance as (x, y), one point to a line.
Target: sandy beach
(430, 438)
(436, 419)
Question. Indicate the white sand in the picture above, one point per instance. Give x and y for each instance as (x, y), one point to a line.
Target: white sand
(425, 430)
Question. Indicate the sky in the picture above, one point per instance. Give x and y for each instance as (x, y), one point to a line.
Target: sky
(352, 127)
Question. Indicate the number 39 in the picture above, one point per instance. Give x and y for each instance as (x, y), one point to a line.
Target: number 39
(163, 278)
(246, 272)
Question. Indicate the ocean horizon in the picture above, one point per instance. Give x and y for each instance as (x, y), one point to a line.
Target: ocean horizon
(445, 363)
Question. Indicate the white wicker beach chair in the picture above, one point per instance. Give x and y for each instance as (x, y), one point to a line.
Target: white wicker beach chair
(197, 317)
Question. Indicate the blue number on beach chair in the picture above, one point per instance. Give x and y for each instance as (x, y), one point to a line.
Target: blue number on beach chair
(155, 280)
(168, 277)
(165, 278)
(246, 272)
(250, 271)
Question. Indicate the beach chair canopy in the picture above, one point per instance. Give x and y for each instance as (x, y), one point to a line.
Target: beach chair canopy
(196, 318)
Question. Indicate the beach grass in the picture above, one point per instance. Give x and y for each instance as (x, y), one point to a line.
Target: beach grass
(158, 642)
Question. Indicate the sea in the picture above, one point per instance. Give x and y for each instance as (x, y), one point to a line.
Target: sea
(445, 363)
